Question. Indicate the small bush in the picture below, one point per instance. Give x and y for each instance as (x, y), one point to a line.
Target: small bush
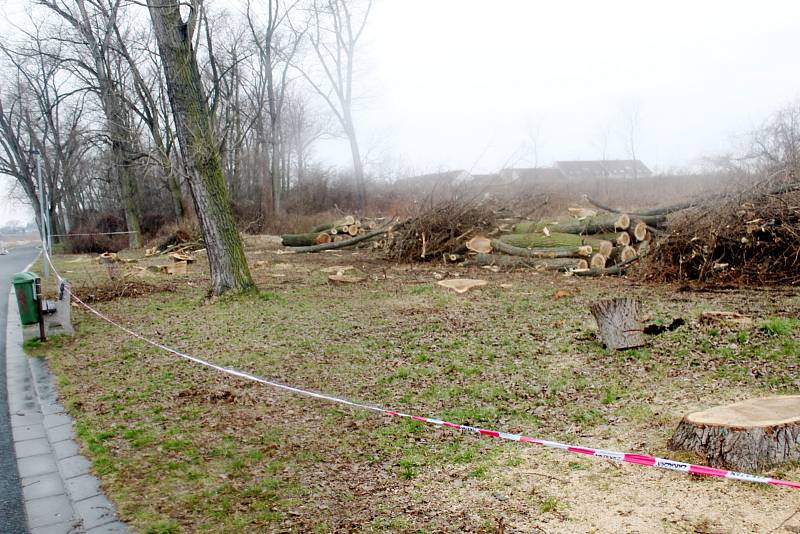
(88, 235)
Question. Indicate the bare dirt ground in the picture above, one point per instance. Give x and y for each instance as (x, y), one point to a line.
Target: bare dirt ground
(180, 448)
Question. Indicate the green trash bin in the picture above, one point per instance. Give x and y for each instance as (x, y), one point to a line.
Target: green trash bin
(25, 288)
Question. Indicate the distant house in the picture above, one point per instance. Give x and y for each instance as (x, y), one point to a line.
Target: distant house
(531, 175)
(610, 168)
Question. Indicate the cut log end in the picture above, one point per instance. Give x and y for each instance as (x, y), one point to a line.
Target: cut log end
(324, 237)
(480, 244)
(601, 246)
(598, 261)
(638, 230)
(623, 222)
(752, 435)
(623, 254)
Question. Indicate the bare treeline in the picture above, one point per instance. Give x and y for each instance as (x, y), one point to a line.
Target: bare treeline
(84, 91)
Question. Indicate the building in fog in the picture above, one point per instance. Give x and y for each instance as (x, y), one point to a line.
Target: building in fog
(610, 168)
(576, 170)
(531, 175)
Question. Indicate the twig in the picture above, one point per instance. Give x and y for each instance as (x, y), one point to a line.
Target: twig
(785, 521)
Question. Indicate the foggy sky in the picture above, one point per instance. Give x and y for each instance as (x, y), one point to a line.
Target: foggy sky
(468, 83)
(456, 78)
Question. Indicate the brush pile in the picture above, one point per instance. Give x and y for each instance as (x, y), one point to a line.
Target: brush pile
(750, 238)
(439, 232)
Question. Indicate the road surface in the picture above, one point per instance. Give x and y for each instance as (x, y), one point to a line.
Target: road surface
(12, 511)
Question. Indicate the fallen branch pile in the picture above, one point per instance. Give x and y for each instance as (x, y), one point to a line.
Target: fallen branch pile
(750, 238)
(439, 231)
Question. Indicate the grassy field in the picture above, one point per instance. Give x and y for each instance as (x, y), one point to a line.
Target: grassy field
(180, 448)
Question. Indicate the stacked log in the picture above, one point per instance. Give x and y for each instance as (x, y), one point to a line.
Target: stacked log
(589, 243)
(540, 264)
(332, 232)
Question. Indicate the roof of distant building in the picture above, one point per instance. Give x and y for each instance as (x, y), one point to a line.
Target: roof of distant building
(534, 174)
(611, 168)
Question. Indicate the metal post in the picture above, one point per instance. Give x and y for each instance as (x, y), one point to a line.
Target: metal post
(48, 226)
(39, 301)
(45, 220)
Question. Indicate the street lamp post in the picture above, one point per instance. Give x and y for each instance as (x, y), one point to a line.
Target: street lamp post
(44, 219)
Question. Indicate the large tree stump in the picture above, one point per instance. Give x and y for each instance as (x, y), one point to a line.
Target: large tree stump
(753, 435)
(618, 320)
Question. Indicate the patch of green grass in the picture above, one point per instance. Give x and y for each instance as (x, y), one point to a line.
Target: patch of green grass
(421, 289)
(459, 452)
(578, 466)
(611, 394)
(742, 336)
(402, 373)
(586, 417)
(389, 524)
(636, 413)
(176, 445)
(550, 504)
(139, 437)
(479, 472)
(407, 466)
(32, 344)
(779, 326)
(163, 526)
(514, 462)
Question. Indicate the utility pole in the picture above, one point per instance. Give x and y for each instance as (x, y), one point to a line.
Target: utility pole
(44, 227)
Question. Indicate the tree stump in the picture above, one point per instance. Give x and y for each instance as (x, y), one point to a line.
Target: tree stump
(750, 436)
(618, 320)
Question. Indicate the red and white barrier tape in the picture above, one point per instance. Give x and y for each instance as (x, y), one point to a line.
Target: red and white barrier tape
(640, 459)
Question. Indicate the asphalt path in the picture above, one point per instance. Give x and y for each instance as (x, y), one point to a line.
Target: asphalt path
(12, 511)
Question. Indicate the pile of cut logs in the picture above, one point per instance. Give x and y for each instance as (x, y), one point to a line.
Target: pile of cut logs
(346, 228)
(589, 243)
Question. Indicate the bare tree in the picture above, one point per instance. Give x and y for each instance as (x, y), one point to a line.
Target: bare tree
(629, 132)
(336, 29)
(95, 22)
(275, 58)
(302, 127)
(199, 145)
(148, 94)
(775, 146)
(43, 114)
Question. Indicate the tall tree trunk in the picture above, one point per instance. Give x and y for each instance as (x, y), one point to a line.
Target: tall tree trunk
(175, 192)
(124, 172)
(199, 147)
(358, 167)
(275, 172)
(173, 184)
